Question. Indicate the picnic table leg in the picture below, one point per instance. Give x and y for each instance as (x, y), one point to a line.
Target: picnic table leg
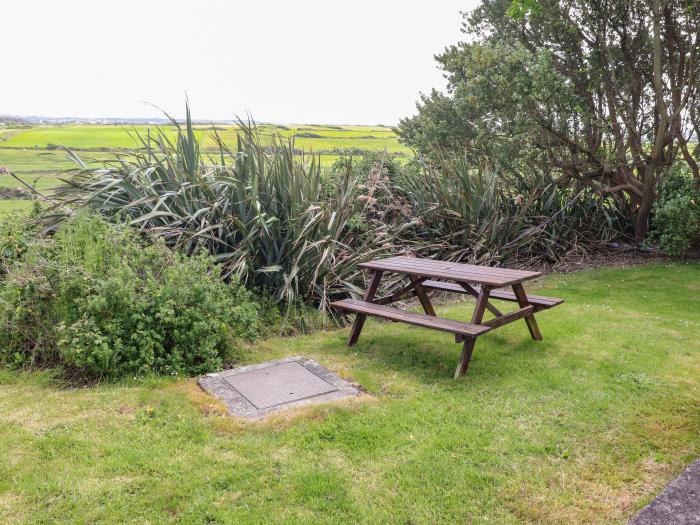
(423, 297)
(521, 296)
(473, 291)
(360, 318)
(468, 348)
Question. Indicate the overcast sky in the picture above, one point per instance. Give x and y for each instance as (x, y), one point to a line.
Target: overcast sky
(303, 61)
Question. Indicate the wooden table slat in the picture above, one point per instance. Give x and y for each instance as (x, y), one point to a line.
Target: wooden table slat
(444, 265)
(454, 271)
(431, 265)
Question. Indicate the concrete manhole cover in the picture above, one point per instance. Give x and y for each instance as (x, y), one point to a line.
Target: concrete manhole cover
(253, 391)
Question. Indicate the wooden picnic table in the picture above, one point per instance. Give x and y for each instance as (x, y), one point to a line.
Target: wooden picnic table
(482, 282)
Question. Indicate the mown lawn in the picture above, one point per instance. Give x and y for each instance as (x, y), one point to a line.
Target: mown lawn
(584, 427)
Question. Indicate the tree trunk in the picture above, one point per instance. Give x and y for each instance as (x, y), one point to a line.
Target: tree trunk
(641, 226)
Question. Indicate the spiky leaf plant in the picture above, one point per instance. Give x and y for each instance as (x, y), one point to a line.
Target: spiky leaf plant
(258, 207)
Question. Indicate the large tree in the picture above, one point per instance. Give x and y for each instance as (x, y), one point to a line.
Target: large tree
(604, 92)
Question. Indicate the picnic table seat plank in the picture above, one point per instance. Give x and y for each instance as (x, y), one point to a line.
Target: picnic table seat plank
(536, 300)
(426, 321)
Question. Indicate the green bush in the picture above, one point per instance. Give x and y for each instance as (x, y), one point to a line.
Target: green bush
(94, 299)
(271, 216)
(676, 218)
(258, 208)
(16, 233)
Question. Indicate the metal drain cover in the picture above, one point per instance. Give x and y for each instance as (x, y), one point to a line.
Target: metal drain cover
(278, 384)
(253, 391)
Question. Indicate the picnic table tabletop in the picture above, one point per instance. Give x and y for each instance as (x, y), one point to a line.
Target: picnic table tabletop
(461, 272)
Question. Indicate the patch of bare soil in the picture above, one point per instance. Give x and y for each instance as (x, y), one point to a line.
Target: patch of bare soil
(608, 258)
(614, 255)
(14, 193)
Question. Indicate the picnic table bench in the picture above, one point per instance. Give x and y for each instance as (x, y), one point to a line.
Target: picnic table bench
(482, 282)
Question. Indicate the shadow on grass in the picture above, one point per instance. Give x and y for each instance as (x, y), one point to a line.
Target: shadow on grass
(431, 357)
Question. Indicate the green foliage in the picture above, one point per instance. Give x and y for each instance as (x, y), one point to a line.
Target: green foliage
(500, 99)
(269, 216)
(377, 211)
(259, 209)
(676, 221)
(460, 213)
(16, 233)
(95, 299)
(520, 9)
(546, 86)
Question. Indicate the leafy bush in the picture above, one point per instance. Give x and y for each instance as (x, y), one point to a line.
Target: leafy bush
(676, 219)
(259, 209)
(95, 299)
(459, 212)
(455, 210)
(376, 173)
(16, 234)
(270, 216)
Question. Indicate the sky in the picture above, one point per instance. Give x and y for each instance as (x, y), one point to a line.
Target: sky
(302, 61)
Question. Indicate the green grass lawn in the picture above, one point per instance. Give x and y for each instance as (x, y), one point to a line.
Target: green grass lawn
(38, 161)
(584, 427)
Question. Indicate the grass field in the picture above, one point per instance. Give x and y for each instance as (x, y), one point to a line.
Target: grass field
(32, 152)
(584, 427)
(318, 138)
(42, 161)
(7, 206)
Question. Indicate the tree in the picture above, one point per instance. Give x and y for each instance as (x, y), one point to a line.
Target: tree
(604, 92)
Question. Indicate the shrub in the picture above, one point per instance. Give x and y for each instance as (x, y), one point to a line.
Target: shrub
(377, 173)
(269, 215)
(259, 209)
(676, 218)
(97, 300)
(16, 233)
(460, 212)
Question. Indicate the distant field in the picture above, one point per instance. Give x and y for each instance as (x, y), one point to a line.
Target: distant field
(7, 206)
(32, 152)
(41, 181)
(318, 138)
(43, 160)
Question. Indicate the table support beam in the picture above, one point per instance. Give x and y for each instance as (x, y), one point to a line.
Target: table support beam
(468, 347)
(521, 296)
(473, 291)
(360, 318)
(423, 297)
(397, 296)
(509, 317)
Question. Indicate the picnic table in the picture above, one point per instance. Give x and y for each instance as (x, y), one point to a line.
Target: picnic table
(482, 282)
